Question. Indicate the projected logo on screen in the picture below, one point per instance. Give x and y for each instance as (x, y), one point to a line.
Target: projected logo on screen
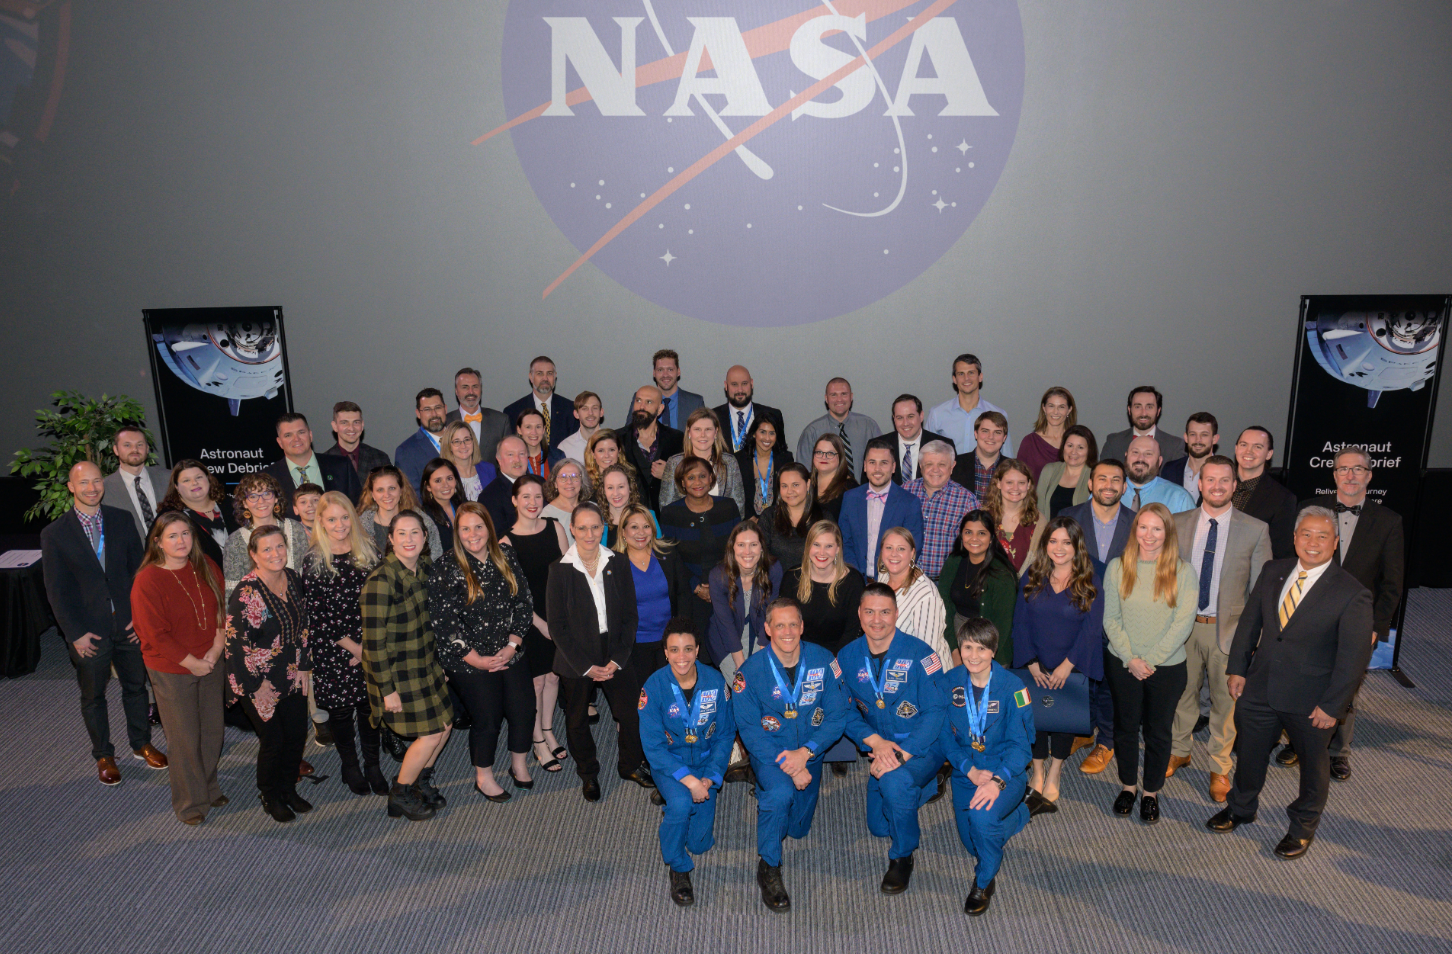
(762, 163)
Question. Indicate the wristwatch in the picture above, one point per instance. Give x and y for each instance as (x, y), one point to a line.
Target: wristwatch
(999, 782)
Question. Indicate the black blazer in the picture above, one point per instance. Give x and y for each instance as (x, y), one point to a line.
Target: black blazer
(495, 427)
(338, 474)
(562, 418)
(746, 462)
(369, 458)
(1320, 657)
(498, 498)
(1376, 557)
(574, 622)
(927, 437)
(758, 410)
(1273, 503)
(84, 596)
(671, 442)
(1174, 472)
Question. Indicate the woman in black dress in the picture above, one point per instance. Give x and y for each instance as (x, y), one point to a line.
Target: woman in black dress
(334, 571)
(831, 474)
(700, 525)
(762, 456)
(785, 523)
(538, 541)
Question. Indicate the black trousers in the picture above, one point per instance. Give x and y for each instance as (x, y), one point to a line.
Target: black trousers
(280, 742)
(646, 659)
(1146, 706)
(342, 720)
(1057, 744)
(622, 692)
(491, 698)
(1258, 728)
(94, 673)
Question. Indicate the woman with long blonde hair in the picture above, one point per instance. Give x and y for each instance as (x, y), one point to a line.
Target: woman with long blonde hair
(458, 446)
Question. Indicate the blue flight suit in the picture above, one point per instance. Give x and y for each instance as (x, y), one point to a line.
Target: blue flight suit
(915, 707)
(1008, 736)
(765, 731)
(687, 824)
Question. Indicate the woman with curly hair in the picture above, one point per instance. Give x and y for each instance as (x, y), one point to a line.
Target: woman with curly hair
(258, 502)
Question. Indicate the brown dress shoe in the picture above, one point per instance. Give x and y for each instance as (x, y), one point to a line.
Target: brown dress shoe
(305, 769)
(1096, 761)
(1176, 761)
(106, 768)
(1219, 786)
(1081, 742)
(151, 755)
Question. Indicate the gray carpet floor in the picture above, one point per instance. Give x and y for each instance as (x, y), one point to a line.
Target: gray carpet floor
(89, 868)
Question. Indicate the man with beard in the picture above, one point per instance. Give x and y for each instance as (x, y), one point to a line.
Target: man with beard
(741, 408)
(589, 412)
(135, 487)
(423, 445)
(557, 412)
(489, 426)
(676, 403)
(854, 429)
(1145, 485)
(1261, 495)
(1146, 404)
(649, 442)
(1202, 438)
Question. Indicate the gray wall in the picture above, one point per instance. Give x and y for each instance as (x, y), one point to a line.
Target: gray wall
(1183, 172)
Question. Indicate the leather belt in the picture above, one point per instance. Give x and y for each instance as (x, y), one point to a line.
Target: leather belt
(1204, 619)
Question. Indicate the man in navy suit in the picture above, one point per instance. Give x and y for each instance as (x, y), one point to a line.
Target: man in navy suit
(875, 507)
(299, 465)
(423, 445)
(559, 413)
(676, 403)
(1105, 522)
(1202, 438)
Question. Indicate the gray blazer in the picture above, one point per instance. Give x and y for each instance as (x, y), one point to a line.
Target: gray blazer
(729, 481)
(116, 495)
(1116, 445)
(493, 429)
(1247, 551)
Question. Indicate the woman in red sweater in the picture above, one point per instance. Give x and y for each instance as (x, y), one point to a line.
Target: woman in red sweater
(176, 602)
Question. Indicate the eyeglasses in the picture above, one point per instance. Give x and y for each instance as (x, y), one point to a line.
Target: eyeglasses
(261, 495)
(561, 478)
(1356, 469)
(825, 453)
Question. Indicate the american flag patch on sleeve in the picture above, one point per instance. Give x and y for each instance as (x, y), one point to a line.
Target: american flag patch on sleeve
(836, 669)
(931, 663)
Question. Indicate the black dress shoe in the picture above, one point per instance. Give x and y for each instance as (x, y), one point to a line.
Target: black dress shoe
(1292, 847)
(656, 798)
(277, 809)
(1038, 805)
(1202, 723)
(153, 715)
(681, 891)
(503, 796)
(978, 899)
(1124, 804)
(839, 769)
(296, 802)
(1149, 809)
(525, 784)
(1286, 756)
(1340, 768)
(641, 776)
(944, 774)
(899, 873)
(1222, 822)
(591, 789)
(773, 891)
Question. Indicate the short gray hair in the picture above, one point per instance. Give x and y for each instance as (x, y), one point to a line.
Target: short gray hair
(937, 447)
(1359, 449)
(1314, 511)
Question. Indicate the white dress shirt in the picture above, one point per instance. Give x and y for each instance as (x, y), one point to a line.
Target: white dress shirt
(596, 582)
(874, 523)
(1311, 577)
(910, 472)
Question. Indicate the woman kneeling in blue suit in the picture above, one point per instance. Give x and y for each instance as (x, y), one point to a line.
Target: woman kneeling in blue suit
(989, 744)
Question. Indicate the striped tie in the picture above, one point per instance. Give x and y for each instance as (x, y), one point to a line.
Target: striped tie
(847, 444)
(1293, 598)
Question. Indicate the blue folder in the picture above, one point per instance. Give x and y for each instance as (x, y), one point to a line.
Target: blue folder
(1065, 709)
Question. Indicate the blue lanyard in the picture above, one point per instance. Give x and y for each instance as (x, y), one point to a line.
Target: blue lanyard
(881, 681)
(738, 436)
(101, 540)
(765, 482)
(789, 696)
(690, 714)
(978, 715)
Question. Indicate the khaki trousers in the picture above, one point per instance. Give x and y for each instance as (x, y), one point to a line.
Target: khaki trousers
(1204, 660)
(191, 715)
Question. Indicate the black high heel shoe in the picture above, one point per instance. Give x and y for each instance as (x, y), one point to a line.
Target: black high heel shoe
(549, 765)
(501, 797)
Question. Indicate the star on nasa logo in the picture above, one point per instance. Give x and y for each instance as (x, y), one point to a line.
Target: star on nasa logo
(759, 163)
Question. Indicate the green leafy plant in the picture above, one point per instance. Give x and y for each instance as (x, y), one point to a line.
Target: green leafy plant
(80, 428)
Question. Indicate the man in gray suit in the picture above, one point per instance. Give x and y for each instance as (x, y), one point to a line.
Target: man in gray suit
(1146, 404)
(135, 487)
(1227, 549)
(489, 426)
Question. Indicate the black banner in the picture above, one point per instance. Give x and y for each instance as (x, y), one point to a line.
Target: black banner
(221, 382)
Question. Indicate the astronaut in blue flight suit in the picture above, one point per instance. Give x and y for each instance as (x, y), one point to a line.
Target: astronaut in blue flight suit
(901, 702)
(989, 743)
(790, 709)
(686, 729)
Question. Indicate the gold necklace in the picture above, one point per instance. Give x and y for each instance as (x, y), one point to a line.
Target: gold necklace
(201, 622)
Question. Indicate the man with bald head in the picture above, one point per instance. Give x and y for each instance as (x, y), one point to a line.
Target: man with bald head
(649, 442)
(511, 459)
(741, 409)
(89, 557)
(1145, 485)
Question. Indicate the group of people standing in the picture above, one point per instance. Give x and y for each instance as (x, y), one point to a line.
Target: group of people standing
(746, 613)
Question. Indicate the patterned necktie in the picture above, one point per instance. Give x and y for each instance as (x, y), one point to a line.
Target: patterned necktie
(544, 412)
(147, 516)
(740, 429)
(847, 443)
(874, 495)
(1135, 505)
(1292, 600)
(1207, 565)
(1340, 508)
(907, 462)
(302, 476)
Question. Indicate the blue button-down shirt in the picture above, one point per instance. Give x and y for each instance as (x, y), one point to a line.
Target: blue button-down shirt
(1161, 491)
(956, 424)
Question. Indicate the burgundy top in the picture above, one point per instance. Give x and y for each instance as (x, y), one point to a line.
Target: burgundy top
(1037, 453)
(175, 614)
(1017, 546)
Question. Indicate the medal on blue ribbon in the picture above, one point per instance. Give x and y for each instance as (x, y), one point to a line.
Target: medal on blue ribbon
(978, 715)
(788, 695)
(691, 713)
(878, 683)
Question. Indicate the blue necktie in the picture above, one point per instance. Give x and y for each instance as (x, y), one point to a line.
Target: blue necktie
(1207, 566)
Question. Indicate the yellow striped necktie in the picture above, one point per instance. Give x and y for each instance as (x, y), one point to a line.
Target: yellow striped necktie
(544, 412)
(1293, 599)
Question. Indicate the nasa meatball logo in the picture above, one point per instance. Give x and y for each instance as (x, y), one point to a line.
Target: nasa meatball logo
(761, 163)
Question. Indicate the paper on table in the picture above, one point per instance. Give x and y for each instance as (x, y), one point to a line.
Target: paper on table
(14, 559)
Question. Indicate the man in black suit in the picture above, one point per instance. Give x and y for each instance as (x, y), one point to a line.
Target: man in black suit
(1261, 495)
(741, 409)
(348, 431)
(299, 465)
(89, 556)
(1298, 655)
(488, 425)
(512, 460)
(1202, 438)
(1372, 550)
(559, 413)
(907, 448)
(648, 443)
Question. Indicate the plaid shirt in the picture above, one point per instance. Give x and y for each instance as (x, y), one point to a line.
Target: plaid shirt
(92, 525)
(941, 515)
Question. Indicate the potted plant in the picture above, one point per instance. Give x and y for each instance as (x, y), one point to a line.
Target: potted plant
(80, 428)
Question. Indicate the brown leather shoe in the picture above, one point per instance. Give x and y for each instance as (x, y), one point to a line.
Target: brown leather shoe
(1081, 742)
(151, 755)
(1176, 761)
(1096, 761)
(305, 769)
(106, 768)
(1219, 786)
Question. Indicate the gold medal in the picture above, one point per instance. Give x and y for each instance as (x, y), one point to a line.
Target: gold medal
(881, 704)
(790, 713)
(978, 745)
(690, 738)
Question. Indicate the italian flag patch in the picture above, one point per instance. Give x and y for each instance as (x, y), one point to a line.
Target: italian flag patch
(1021, 698)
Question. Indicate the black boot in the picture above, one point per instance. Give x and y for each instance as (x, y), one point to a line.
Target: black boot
(432, 796)
(296, 802)
(348, 754)
(944, 774)
(773, 891)
(899, 873)
(368, 741)
(977, 901)
(276, 808)
(405, 801)
(681, 891)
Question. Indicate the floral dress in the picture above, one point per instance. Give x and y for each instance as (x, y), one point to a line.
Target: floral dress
(334, 614)
(267, 643)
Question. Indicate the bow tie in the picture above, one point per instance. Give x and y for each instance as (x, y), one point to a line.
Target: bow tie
(1342, 508)
(476, 416)
(874, 495)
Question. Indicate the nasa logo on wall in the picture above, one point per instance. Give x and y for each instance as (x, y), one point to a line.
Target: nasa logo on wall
(762, 163)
